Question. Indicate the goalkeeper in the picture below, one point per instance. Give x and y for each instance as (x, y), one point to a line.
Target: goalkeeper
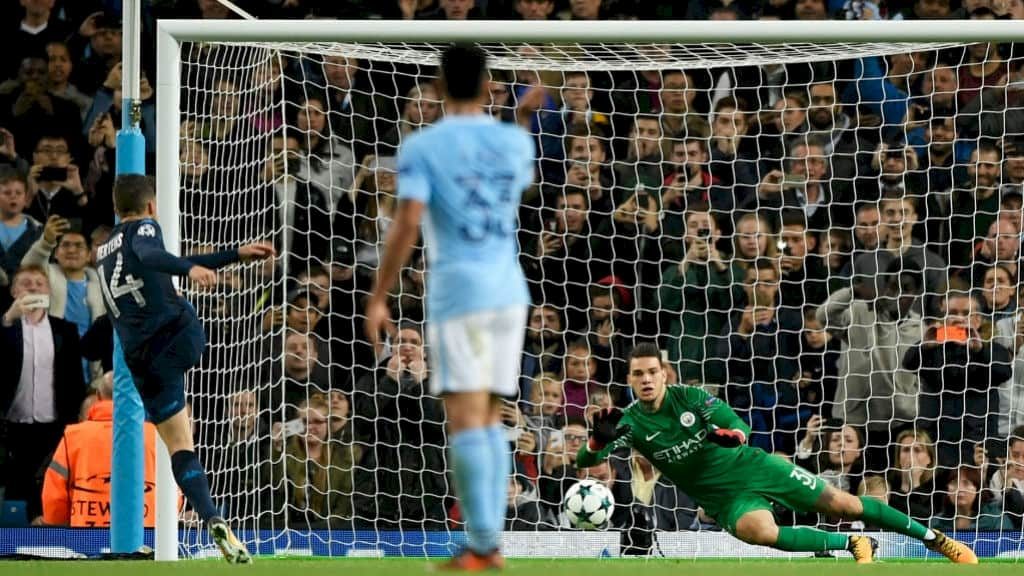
(699, 443)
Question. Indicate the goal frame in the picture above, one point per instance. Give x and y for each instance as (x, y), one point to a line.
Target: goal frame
(172, 33)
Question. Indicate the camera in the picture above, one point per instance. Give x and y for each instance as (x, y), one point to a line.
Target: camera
(703, 233)
(784, 247)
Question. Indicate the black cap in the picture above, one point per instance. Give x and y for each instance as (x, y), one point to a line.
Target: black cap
(108, 20)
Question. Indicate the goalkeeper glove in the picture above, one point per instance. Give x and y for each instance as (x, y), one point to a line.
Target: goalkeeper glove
(605, 428)
(727, 438)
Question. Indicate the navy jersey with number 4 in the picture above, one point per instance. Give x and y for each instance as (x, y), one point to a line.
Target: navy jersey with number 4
(136, 271)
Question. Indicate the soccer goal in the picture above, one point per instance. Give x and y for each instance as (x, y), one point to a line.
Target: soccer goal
(788, 208)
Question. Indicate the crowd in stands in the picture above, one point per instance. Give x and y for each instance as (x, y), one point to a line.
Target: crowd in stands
(833, 248)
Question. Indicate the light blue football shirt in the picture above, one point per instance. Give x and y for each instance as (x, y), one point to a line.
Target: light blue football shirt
(470, 172)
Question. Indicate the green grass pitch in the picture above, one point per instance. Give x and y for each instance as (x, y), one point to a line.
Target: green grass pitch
(567, 567)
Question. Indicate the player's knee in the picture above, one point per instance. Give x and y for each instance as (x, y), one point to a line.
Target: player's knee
(757, 531)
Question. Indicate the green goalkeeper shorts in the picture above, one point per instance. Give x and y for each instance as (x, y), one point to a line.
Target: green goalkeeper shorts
(775, 480)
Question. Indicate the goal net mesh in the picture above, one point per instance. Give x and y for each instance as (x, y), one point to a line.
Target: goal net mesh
(825, 236)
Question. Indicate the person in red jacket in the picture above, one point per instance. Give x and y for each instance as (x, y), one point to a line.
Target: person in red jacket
(76, 488)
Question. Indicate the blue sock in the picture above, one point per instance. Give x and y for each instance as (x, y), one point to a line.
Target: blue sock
(470, 453)
(191, 478)
(501, 466)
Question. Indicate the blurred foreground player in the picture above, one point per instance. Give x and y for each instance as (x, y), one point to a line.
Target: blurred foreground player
(468, 173)
(161, 335)
(699, 444)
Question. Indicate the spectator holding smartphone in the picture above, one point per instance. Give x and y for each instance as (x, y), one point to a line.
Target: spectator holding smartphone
(54, 183)
(960, 374)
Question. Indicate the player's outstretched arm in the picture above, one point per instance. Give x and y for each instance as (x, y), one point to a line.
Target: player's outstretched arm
(607, 433)
(248, 252)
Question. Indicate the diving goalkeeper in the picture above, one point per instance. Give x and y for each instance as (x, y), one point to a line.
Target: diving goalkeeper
(698, 442)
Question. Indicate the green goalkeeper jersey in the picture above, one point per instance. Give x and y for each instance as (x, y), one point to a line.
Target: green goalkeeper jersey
(675, 440)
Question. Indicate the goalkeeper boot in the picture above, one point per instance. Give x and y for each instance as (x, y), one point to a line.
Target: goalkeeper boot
(863, 548)
(470, 561)
(496, 559)
(956, 551)
(230, 546)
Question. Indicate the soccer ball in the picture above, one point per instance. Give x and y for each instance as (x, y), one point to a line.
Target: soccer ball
(589, 505)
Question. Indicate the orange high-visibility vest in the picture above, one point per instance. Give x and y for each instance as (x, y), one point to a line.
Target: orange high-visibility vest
(76, 489)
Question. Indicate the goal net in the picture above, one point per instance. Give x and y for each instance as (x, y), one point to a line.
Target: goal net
(825, 236)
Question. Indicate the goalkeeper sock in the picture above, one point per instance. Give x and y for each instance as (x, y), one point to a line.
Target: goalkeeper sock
(470, 453)
(501, 466)
(805, 539)
(884, 516)
(191, 478)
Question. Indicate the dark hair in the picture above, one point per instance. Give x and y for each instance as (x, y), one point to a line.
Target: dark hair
(132, 192)
(1017, 434)
(11, 174)
(645, 350)
(794, 218)
(463, 69)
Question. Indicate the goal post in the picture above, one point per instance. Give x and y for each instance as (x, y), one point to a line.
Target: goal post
(230, 94)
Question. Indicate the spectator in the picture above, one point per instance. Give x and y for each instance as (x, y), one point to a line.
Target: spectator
(422, 108)
(1000, 247)
(984, 67)
(523, 506)
(303, 215)
(819, 365)
(992, 114)
(108, 101)
(960, 376)
(827, 121)
(787, 118)
(99, 42)
(320, 472)
(578, 378)
(43, 386)
(1007, 485)
(557, 260)
(753, 239)
(356, 107)
(804, 276)
(75, 286)
(328, 162)
(878, 325)
(729, 164)
(698, 295)
(582, 10)
(1010, 333)
(939, 154)
(302, 376)
(759, 346)
(544, 346)
(534, 10)
(242, 463)
(912, 478)
(18, 230)
(54, 183)
(805, 185)
(76, 487)
(899, 217)
(975, 204)
(589, 170)
(670, 509)
(558, 465)
(810, 10)
(643, 156)
(401, 482)
(998, 294)
(611, 331)
(966, 506)
(60, 68)
(374, 197)
(576, 118)
(688, 182)
(30, 35)
(676, 103)
(27, 108)
(454, 10)
(834, 451)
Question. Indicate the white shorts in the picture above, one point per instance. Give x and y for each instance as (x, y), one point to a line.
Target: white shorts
(479, 351)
